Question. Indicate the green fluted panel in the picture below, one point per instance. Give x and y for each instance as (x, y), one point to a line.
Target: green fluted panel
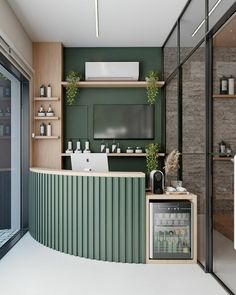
(101, 218)
(85, 217)
(109, 220)
(103, 222)
(97, 217)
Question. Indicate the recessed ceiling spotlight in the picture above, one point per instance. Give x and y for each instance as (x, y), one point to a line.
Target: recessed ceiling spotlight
(96, 18)
(203, 21)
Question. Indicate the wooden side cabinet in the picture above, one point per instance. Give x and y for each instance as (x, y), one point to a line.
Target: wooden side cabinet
(166, 232)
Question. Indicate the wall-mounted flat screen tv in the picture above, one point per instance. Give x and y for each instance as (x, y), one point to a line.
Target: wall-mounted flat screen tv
(123, 121)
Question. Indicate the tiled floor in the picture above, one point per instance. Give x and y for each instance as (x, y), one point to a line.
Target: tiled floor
(5, 235)
(32, 269)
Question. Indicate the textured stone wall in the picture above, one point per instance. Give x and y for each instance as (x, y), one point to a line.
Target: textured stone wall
(224, 126)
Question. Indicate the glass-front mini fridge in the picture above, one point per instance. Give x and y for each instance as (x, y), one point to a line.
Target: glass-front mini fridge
(170, 230)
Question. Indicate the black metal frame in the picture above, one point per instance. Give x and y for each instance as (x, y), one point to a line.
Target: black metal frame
(208, 117)
(24, 153)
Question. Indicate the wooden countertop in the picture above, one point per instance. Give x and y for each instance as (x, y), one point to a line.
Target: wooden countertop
(178, 196)
(74, 173)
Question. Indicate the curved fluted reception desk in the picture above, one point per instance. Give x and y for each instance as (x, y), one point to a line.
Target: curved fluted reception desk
(93, 215)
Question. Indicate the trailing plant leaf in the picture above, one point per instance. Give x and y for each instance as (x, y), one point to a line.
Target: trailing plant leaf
(152, 156)
(152, 88)
(2, 77)
(172, 162)
(72, 88)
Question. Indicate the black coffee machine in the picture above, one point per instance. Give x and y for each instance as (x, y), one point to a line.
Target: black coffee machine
(157, 182)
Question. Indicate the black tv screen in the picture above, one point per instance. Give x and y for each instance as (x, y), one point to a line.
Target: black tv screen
(123, 121)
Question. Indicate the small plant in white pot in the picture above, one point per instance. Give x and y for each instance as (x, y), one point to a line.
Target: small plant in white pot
(152, 88)
(72, 78)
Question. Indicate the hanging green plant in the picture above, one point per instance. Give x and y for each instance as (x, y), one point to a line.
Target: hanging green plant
(152, 150)
(72, 78)
(152, 88)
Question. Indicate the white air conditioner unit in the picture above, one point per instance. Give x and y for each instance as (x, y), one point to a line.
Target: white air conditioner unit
(111, 71)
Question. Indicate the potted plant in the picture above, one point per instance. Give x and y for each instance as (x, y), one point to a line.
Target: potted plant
(172, 163)
(152, 150)
(152, 88)
(72, 87)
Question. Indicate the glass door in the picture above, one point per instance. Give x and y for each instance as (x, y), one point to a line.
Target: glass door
(10, 156)
(224, 147)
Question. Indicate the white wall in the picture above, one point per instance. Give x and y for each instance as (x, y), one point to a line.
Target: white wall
(13, 30)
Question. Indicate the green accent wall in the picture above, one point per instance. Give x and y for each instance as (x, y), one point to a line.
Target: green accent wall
(78, 118)
(95, 217)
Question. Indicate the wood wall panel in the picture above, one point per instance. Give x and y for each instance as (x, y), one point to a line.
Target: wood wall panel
(48, 66)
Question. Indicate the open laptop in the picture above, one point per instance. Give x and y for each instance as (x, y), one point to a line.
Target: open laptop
(95, 162)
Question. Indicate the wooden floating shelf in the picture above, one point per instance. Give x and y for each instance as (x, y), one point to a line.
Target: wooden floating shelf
(113, 84)
(121, 155)
(46, 137)
(228, 159)
(5, 137)
(46, 118)
(224, 96)
(46, 98)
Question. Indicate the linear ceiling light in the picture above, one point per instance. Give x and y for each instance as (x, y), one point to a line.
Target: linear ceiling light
(203, 21)
(96, 18)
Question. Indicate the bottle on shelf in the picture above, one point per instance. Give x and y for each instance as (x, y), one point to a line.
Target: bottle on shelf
(103, 147)
(1, 129)
(50, 112)
(8, 112)
(49, 91)
(223, 85)
(78, 147)
(114, 147)
(49, 129)
(42, 129)
(7, 130)
(42, 91)
(107, 149)
(222, 148)
(231, 85)
(87, 150)
(118, 148)
(41, 112)
(69, 147)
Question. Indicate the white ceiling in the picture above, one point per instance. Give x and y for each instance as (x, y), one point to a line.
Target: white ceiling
(123, 23)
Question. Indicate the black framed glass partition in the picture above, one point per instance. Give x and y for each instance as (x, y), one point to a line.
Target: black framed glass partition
(14, 153)
(198, 120)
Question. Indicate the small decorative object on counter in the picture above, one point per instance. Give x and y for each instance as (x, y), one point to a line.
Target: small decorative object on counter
(231, 85)
(69, 147)
(1, 129)
(42, 91)
(42, 129)
(49, 129)
(7, 130)
(107, 149)
(129, 150)
(114, 147)
(118, 148)
(223, 85)
(49, 91)
(87, 150)
(41, 112)
(228, 150)
(138, 150)
(103, 147)
(50, 112)
(78, 147)
(222, 149)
